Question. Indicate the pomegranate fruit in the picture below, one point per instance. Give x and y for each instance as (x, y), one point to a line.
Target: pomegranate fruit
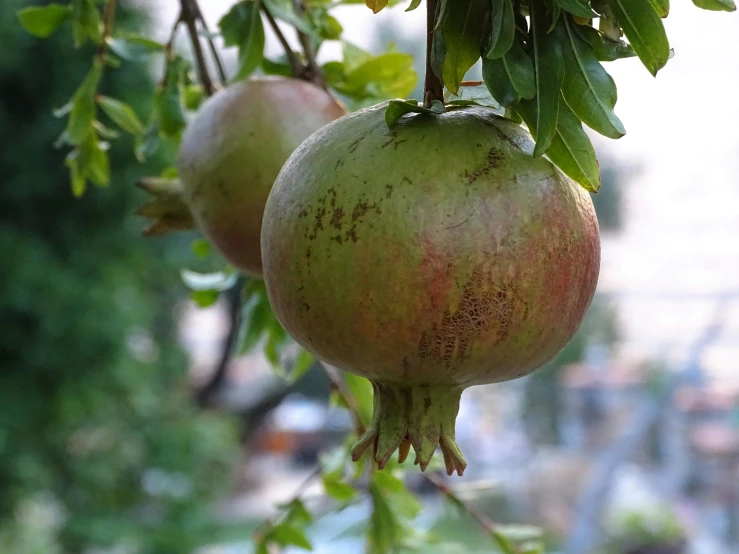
(429, 257)
(232, 151)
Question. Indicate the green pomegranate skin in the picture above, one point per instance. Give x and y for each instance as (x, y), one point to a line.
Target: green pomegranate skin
(427, 257)
(234, 148)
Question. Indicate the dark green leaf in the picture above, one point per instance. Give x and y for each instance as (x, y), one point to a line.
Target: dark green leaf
(503, 29)
(169, 102)
(571, 149)
(398, 108)
(148, 143)
(663, 7)
(255, 316)
(606, 50)
(134, 48)
(580, 8)
(643, 27)
(520, 71)
(456, 41)
(86, 22)
(42, 21)
(716, 5)
(82, 113)
(556, 12)
(242, 27)
(122, 114)
(511, 77)
(287, 535)
(549, 69)
(414, 4)
(588, 89)
(297, 514)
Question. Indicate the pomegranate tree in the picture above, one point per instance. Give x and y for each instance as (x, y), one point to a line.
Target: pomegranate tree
(232, 151)
(427, 257)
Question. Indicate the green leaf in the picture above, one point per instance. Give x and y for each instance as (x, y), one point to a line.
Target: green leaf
(361, 390)
(86, 22)
(201, 248)
(716, 5)
(204, 298)
(413, 5)
(580, 8)
(272, 67)
(503, 29)
(277, 337)
(242, 27)
(353, 56)
(297, 514)
(287, 535)
(256, 315)
(456, 41)
(376, 5)
(511, 77)
(549, 69)
(588, 89)
(301, 365)
(388, 75)
(398, 108)
(148, 143)
(643, 27)
(520, 71)
(571, 149)
(169, 102)
(96, 165)
(503, 543)
(384, 531)
(134, 48)
(42, 21)
(284, 10)
(336, 488)
(556, 12)
(662, 7)
(82, 113)
(474, 94)
(122, 114)
(606, 50)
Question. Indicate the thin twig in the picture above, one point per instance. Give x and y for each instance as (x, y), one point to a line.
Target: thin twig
(433, 89)
(108, 19)
(188, 16)
(211, 44)
(296, 66)
(313, 72)
(205, 394)
(480, 517)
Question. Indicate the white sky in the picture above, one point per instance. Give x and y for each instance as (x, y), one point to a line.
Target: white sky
(682, 230)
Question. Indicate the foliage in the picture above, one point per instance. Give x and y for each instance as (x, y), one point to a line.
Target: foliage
(100, 442)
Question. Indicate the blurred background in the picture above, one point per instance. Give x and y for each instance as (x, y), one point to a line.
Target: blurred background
(112, 439)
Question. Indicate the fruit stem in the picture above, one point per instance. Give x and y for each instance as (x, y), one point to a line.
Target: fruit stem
(421, 416)
(433, 89)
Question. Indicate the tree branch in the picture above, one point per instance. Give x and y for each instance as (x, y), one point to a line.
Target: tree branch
(433, 89)
(189, 17)
(296, 66)
(211, 44)
(108, 19)
(205, 394)
(313, 71)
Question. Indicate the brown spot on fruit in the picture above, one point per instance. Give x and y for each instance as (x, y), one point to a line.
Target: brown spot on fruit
(336, 218)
